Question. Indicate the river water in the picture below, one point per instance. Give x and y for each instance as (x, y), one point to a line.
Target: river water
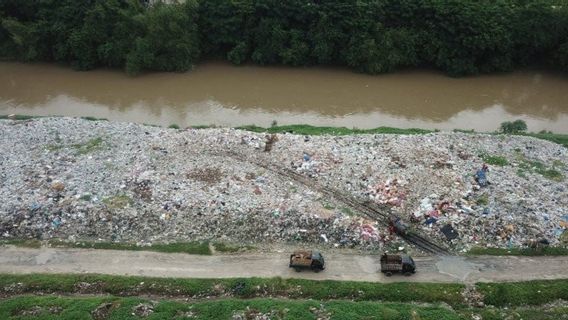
(221, 94)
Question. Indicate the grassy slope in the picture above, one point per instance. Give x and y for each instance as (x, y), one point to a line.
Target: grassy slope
(176, 247)
(497, 294)
(554, 137)
(80, 308)
(524, 293)
(547, 251)
(182, 247)
(123, 308)
(518, 313)
(360, 300)
(313, 130)
(25, 243)
(241, 288)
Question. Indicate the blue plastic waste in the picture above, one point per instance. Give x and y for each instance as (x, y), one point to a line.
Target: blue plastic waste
(430, 220)
(481, 178)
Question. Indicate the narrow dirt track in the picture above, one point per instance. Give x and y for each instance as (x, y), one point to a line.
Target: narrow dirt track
(339, 266)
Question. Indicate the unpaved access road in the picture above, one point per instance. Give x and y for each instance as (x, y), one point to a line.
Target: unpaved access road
(274, 264)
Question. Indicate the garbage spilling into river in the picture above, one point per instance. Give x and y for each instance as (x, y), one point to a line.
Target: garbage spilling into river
(77, 179)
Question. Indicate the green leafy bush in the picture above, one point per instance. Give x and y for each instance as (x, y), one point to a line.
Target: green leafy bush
(516, 126)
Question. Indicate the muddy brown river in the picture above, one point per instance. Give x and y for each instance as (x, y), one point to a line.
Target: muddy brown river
(221, 94)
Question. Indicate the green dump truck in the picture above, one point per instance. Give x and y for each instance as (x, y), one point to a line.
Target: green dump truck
(307, 260)
(397, 263)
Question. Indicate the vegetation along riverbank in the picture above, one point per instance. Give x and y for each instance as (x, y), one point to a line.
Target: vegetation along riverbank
(457, 36)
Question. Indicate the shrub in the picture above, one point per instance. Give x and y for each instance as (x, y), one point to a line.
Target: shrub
(516, 126)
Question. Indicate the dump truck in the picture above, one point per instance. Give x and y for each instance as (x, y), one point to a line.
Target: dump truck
(399, 263)
(307, 260)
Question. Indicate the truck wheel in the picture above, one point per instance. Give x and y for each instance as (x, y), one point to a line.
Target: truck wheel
(407, 274)
(388, 273)
(316, 270)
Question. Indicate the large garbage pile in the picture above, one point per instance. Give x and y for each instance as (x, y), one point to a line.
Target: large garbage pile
(79, 179)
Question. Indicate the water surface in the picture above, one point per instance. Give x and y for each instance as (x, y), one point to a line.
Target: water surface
(221, 94)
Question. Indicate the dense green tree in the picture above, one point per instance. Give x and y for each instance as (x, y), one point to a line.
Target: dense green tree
(24, 39)
(536, 29)
(107, 34)
(239, 53)
(560, 57)
(460, 37)
(468, 37)
(382, 51)
(225, 28)
(169, 41)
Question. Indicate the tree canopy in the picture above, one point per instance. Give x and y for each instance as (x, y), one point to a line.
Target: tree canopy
(459, 37)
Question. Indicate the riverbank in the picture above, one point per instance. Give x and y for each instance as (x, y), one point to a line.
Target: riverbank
(78, 179)
(309, 130)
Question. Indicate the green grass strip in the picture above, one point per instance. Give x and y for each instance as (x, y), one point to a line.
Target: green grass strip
(546, 251)
(53, 307)
(553, 137)
(561, 139)
(339, 131)
(195, 247)
(524, 293)
(517, 313)
(235, 287)
(18, 117)
(181, 247)
(25, 243)
(125, 308)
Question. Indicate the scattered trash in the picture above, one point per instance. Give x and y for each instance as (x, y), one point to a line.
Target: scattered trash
(168, 185)
(254, 314)
(57, 186)
(430, 221)
(270, 141)
(369, 232)
(389, 192)
(480, 176)
(56, 222)
(143, 310)
(321, 313)
(103, 311)
(449, 232)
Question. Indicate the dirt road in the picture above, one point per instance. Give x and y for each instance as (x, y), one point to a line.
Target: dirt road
(339, 266)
